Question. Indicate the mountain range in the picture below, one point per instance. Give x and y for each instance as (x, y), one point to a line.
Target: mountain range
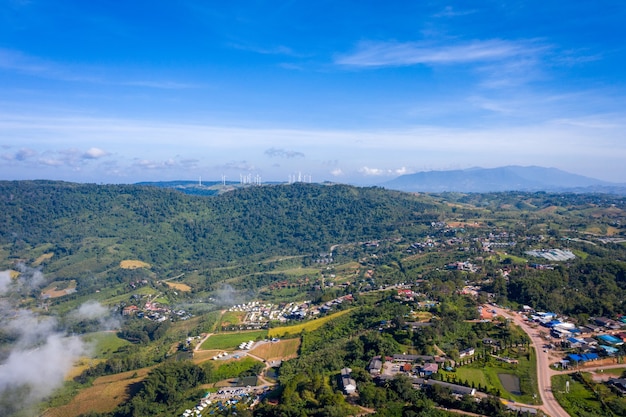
(507, 178)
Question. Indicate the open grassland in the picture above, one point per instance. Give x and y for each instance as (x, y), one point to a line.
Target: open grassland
(232, 340)
(299, 272)
(103, 396)
(309, 326)
(133, 264)
(105, 343)
(283, 349)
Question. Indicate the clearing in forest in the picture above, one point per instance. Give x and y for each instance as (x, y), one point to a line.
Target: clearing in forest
(43, 258)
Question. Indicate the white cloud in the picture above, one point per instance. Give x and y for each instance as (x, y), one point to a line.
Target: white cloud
(367, 171)
(94, 153)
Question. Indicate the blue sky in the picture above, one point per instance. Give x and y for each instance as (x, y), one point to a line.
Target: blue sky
(347, 91)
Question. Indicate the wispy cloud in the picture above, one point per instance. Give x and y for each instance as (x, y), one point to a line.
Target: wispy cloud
(382, 54)
(450, 11)
(273, 50)
(16, 61)
(283, 153)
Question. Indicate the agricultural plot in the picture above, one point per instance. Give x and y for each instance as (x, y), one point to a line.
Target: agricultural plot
(106, 393)
(232, 340)
(133, 264)
(179, 286)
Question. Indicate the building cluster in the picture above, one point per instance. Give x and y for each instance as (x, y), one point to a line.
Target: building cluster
(226, 400)
(258, 314)
(555, 255)
(600, 337)
(418, 368)
(155, 312)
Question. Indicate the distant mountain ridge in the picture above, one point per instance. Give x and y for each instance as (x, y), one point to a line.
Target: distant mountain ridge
(507, 178)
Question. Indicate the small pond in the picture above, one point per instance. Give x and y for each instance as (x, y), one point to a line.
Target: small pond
(510, 383)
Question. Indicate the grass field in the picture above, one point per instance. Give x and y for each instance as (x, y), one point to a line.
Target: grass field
(103, 396)
(308, 326)
(232, 317)
(283, 349)
(232, 340)
(105, 343)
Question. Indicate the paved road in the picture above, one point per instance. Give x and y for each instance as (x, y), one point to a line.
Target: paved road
(544, 373)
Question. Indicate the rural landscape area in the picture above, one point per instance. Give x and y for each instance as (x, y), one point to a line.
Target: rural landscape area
(309, 299)
(312, 208)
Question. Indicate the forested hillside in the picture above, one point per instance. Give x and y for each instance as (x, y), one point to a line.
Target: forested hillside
(103, 224)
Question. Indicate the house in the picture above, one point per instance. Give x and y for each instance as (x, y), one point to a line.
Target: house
(574, 343)
(611, 340)
(375, 366)
(602, 321)
(348, 384)
(428, 369)
(130, 310)
(456, 389)
(466, 352)
(619, 385)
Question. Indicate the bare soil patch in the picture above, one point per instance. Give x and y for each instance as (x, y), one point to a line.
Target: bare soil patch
(59, 289)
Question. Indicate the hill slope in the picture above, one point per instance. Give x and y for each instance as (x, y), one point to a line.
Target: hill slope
(509, 178)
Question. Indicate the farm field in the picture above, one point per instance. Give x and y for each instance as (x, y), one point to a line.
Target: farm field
(106, 393)
(308, 326)
(178, 286)
(232, 340)
(283, 349)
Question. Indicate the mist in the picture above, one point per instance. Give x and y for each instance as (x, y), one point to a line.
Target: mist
(39, 353)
